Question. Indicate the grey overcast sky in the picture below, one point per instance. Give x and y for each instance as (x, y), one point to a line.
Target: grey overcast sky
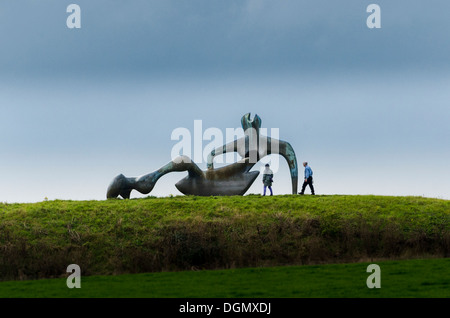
(368, 108)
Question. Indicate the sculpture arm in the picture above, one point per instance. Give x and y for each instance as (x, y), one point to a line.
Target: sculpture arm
(229, 147)
(288, 153)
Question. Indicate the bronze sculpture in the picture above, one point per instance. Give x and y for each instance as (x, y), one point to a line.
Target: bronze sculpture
(234, 179)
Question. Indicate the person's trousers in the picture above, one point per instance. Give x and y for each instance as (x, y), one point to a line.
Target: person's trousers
(270, 188)
(309, 182)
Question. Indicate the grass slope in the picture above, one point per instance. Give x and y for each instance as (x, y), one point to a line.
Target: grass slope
(39, 240)
(407, 278)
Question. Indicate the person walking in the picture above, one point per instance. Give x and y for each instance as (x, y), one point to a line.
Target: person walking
(267, 179)
(308, 179)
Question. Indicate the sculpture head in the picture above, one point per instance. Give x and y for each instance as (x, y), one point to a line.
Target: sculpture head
(246, 122)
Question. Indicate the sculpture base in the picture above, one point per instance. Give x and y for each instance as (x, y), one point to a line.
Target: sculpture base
(236, 185)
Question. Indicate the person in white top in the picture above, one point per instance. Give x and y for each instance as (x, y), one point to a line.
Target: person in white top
(267, 179)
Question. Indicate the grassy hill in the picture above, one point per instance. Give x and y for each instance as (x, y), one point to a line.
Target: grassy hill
(40, 240)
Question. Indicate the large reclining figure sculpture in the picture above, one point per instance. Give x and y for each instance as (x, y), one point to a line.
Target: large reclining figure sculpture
(234, 179)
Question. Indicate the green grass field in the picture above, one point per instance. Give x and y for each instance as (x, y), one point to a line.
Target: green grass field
(400, 279)
(236, 246)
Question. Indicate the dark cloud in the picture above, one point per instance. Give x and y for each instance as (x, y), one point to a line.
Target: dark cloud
(205, 35)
